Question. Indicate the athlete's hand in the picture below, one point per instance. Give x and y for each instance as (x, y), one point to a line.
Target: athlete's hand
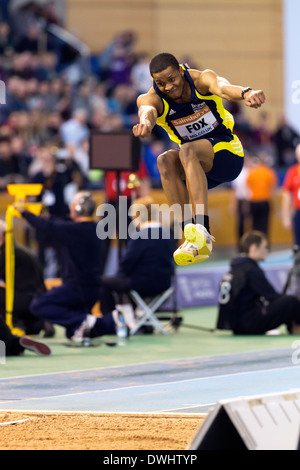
(254, 98)
(142, 130)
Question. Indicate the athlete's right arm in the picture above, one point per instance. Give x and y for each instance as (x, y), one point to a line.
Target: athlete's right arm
(148, 112)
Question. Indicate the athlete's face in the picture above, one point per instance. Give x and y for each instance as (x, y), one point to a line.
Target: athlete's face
(170, 82)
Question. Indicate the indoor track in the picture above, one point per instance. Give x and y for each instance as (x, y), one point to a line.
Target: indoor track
(174, 386)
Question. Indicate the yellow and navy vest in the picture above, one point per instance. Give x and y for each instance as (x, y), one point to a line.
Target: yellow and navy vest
(203, 117)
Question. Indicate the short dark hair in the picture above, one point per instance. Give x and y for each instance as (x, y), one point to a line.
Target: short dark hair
(162, 61)
(251, 238)
(86, 205)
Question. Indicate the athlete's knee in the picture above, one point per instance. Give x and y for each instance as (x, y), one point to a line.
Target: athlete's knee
(166, 162)
(197, 151)
(187, 154)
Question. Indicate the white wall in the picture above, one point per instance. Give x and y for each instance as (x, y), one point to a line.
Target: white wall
(291, 40)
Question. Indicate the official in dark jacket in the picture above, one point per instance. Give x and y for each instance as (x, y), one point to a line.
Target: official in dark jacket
(80, 257)
(248, 303)
(147, 264)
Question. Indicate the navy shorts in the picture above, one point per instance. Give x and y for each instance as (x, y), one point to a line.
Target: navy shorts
(228, 160)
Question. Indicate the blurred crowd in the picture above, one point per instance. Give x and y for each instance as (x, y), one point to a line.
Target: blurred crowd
(57, 92)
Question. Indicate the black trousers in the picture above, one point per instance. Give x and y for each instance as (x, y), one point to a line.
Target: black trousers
(283, 311)
(12, 342)
(260, 213)
(22, 315)
(65, 305)
(114, 289)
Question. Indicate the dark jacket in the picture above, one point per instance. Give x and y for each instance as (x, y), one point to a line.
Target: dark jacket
(249, 291)
(148, 261)
(28, 270)
(256, 286)
(79, 248)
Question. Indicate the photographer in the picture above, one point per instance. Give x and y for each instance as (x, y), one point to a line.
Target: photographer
(80, 260)
(248, 303)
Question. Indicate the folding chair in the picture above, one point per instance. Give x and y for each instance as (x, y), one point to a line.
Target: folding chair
(149, 307)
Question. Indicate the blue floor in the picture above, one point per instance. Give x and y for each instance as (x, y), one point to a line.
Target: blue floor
(176, 386)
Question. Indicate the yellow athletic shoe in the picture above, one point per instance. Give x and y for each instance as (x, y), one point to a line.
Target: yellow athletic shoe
(187, 253)
(200, 237)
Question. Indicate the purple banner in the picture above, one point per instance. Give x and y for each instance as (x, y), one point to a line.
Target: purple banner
(200, 289)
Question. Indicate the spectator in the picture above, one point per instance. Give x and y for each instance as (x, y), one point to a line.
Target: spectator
(21, 20)
(83, 98)
(248, 303)
(75, 130)
(286, 140)
(4, 10)
(52, 129)
(99, 99)
(16, 94)
(123, 102)
(151, 152)
(140, 75)
(263, 136)
(240, 207)
(6, 44)
(46, 170)
(291, 199)
(261, 182)
(52, 92)
(116, 59)
(10, 171)
(81, 157)
(22, 155)
(32, 39)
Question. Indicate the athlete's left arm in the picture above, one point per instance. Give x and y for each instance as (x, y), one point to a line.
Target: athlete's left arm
(221, 87)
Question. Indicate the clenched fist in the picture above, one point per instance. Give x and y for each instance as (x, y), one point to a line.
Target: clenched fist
(254, 98)
(142, 130)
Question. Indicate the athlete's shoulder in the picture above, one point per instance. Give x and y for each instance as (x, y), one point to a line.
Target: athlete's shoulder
(201, 78)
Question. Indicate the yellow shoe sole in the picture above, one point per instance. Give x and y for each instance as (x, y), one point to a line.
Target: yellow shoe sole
(183, 259)
(192, 235)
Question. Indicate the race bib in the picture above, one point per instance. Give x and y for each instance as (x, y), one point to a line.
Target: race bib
(196, 125)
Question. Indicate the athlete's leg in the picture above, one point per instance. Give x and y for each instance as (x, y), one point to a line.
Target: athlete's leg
(197, 159)
(172, 180)
(175, 189)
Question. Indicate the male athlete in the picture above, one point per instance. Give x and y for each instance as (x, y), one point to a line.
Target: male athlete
(188, 105)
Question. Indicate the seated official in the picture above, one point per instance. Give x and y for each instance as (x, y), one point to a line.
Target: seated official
(146, 265)
(248, 303)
